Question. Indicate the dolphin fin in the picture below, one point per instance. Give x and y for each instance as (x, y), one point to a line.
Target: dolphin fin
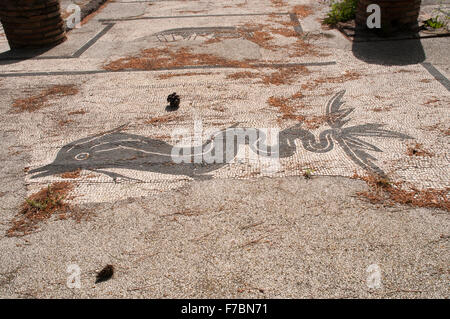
(114, 176)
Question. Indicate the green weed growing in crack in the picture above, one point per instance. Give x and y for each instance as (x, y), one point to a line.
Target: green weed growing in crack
(308, 173)
(341, 11)
(438, 21)
(435, 23)
(39, 207)
(51, 200)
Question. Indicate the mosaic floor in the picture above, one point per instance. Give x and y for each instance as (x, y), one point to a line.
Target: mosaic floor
(336, 114)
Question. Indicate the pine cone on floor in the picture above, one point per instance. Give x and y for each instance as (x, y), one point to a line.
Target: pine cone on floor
(174, 100)
(105, 274)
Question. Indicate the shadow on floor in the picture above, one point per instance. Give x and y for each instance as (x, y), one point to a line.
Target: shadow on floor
(398, 49)
(17, 55)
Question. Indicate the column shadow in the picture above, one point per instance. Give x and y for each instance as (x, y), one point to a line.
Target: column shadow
(17, 55)
(402, 48)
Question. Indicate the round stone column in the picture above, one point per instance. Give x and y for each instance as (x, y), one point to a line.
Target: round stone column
(32, 23)
(396, 15)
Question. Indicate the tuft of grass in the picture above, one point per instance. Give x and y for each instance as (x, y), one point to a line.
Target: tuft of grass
(383, 191)
(307, 174)
(40, 207)
(435, 23)
(341, 12)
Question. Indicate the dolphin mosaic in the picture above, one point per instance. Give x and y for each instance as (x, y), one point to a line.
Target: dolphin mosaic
(118, 149)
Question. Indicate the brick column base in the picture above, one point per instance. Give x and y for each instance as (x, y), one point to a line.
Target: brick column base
(395, 14)
(32, 23)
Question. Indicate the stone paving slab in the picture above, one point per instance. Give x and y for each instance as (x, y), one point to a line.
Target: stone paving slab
(281, 238)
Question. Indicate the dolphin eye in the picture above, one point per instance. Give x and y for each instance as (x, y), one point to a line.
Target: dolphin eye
(81, 156)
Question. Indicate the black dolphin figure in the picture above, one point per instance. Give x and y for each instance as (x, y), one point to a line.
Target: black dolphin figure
(116, 149)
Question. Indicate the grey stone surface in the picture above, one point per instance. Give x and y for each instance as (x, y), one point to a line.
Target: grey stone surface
(263, 238)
